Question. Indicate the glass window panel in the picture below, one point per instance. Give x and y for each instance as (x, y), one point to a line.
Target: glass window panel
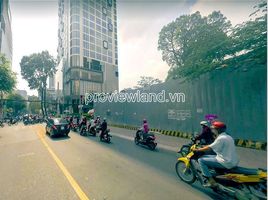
(92, 17)
(92, 54)
(98, 27)
(98, 56)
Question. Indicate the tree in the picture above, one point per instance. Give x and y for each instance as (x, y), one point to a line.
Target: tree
(147, 81)
(7, 79)
(36, 69)
(250, 39)
(34, 105)
(16, 102)
(192, 45)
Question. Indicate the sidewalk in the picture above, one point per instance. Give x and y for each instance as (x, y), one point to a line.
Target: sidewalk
(248, 157)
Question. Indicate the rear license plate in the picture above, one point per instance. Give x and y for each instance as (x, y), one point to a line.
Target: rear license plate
(62, 128)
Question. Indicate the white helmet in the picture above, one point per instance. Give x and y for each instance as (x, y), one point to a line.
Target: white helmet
(204, 123)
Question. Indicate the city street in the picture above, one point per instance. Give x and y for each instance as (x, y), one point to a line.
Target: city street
(34, 166)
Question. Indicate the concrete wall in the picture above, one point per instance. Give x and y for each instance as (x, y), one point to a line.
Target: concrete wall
(237, 96)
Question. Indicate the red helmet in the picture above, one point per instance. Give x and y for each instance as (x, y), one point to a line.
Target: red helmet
(218, 125)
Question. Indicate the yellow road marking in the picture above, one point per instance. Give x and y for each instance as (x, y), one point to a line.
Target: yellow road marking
(67, 174)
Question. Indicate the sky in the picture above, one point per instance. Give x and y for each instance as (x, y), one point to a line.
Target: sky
(35, 22)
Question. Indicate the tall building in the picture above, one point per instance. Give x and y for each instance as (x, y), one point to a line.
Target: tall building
(5, 30)
(87, 48)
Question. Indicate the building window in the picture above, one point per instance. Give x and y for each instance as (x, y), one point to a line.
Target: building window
(104, 10)
(75, 26)
(95, 65)
(75, 61)
(110, 3)
(85, 63)
(110, 26)
(105, 44)
(75, 50)
(116, 74)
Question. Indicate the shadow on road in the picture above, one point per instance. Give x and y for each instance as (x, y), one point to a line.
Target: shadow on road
(59, 138)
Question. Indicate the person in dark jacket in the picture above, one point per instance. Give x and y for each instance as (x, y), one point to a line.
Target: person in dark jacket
(206, 137)
(103, 127)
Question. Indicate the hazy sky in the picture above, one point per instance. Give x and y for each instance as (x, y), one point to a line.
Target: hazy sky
(34, 26)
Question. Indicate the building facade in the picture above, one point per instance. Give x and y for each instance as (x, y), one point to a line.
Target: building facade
(6, 46)
(87, 48)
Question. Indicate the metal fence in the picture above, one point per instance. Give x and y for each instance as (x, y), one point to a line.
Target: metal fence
(236, 96)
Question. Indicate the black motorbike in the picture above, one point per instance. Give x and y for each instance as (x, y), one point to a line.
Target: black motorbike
(83, 130)
(92, 130)
(13, 122)
(105, 137)
(1, 124)
(149, 139)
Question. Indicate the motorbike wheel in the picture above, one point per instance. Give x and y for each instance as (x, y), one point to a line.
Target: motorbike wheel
(151, 146)
(185, 174)
(108, 139)
(136, 140)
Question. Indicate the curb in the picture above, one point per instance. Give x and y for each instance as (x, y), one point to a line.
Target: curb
(238, 142)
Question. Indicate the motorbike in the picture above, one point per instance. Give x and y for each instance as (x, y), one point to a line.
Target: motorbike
(12, 122)
(239, 182)
(92, 130)
(1, 124)
(83, 130)
(148, 141)
(73, 127)
(105, 137)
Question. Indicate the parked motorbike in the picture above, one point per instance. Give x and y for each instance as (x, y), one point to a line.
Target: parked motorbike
(1, 124)
(239, 182)
(92, 130)
(12, 122)
(148, 141)
(105, 137)
(83, 130)
(74, 127)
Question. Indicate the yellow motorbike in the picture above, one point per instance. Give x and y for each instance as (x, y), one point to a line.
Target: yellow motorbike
(239, 182)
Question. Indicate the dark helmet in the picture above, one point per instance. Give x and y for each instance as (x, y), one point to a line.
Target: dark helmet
(144, 121)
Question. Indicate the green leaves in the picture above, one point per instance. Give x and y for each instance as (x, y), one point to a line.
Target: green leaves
(7, 77)
(147, 81)
(16, 102)
(192, 45)
(36, 68)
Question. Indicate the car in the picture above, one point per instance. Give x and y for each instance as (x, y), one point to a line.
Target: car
(57, 126)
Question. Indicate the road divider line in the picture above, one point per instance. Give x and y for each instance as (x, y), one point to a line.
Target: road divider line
(64, 170)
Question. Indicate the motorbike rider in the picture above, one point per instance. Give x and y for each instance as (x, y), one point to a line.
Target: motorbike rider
(97, 121)
(226, 155)
(206, 137)
(103, 127)
(145, 129)
(83, 122)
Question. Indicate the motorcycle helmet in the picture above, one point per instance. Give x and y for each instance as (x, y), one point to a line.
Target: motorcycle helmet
(220, 126)
(204, 123)
(144, 121)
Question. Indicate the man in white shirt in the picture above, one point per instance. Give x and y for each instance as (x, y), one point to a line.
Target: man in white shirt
(224, 147)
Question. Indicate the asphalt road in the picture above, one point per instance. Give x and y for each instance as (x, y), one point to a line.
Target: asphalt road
(34, 166)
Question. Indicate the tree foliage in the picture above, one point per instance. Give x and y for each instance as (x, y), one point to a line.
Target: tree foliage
(36, 69)
(16, 102)
(34, 105)
(250, 39)
(147, 81)
(192, 44)
(7, 77)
